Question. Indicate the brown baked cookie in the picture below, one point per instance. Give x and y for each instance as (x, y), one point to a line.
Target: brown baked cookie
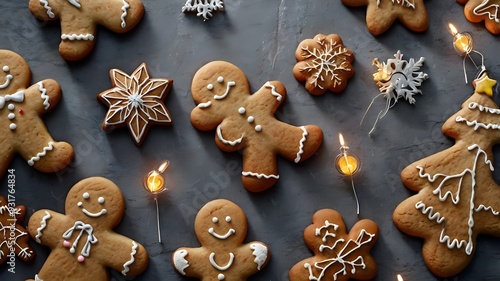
(380, 14)
(21, 107)
(338, 255)
(79, 19)
(246, 121)
(136, 101)
(457, 196)
(13, 237)
(82, 242)
(221, 227)
(323, 63)
(483, 10)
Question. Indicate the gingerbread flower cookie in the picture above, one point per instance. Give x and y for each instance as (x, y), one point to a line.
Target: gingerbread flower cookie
(82, 242)
(483, 10)
(338, 255)
(221, 227)
(457, 197)
(21, 107)
(324, 63)
(13, 237)
(79, 21)
(136, 101)
(246, 121)
(380, 14)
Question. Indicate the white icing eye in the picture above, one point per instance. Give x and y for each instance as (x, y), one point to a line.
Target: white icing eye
(210, 87)
(220, 79)
(228, 219)
(5, 68)
(79, 204)
(86, 195)
(241, 110)
(215, 219)
(100, 200)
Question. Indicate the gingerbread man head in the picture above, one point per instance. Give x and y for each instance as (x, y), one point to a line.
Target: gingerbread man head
(82, 242)
(21, 107)
(221, 227)
(79, 19)
(246, 121)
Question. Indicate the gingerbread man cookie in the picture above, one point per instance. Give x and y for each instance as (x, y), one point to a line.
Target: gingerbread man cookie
(483, 10)
(23, 130)
(221, 227)
(457, 197)
(136, 101)
(324, 63)
(79, 19)
(338, 255)
(381, 14)
(82, 242)
(13, 237)
(246, 121)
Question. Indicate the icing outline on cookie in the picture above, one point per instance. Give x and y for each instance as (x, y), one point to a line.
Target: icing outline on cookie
(259, 176)
(125, 7)
(43, 225)
(131, 260)
(49, 10)
(38, 156)
(74, 36)
(44, 95)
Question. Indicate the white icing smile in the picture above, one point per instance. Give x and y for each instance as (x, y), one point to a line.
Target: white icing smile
(8, 78)
(101, 200)
(230, 232)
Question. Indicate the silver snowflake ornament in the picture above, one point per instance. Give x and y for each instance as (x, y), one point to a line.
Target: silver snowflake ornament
(203, 8)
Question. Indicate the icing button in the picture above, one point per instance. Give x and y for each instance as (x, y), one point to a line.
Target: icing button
(250, 119)
(241, 110)
(81, 259)
(10, 106)
(66, 244)
(221, 276)
(12, 126)
(258, 128)
(11, 116)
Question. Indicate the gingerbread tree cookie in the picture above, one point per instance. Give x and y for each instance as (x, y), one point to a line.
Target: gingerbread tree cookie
(457, 197)
(221, 227)
(338, 255)
(79, 19)
(13, 237)
(82, 241)
(21, 107)
(483, 10)
(246, 121)
(324, 63)
(381, 14)
(136, 101)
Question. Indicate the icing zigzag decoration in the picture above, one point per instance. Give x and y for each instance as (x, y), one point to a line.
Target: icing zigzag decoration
(457, 197)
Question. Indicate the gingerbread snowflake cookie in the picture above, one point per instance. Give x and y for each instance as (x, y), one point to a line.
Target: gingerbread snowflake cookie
(82, 241)
(324, 63)
(483, 10)
(79, 21)
(203, 8)
(380, 14)
(221, 227)
(246, 121)
(457, 197)
(21, 107)
(136, 101)
(338, 255)
(13, 237)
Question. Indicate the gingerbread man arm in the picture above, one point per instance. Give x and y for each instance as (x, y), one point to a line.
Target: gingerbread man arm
(129, 257)
(258, 252)
(45, 10)
(43, 96)
(126, 14)
(46, 227)
(185, 261)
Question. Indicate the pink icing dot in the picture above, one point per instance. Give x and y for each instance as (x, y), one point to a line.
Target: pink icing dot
(81, 259)
(66, 243)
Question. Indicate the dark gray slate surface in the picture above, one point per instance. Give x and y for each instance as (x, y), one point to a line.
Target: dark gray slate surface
(259, 36)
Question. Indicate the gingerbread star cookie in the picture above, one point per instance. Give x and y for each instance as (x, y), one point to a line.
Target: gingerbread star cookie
(82, 241)
(221, 227)
(338, 255)
(13, 237)
(246, 121)
(457, 197)
(21, 107)
(483, 10)
(79, 19)
(324, 63)
(136, 101)
(381, 14)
